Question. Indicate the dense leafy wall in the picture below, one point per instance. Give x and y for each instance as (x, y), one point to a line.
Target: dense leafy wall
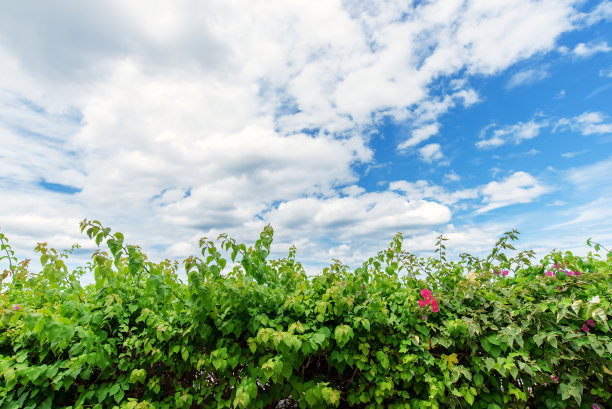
(398, 332)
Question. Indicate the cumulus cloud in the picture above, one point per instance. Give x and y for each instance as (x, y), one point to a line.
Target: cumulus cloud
(366, 217)
(588, 123)
(520, 187)
(515, 133)
(584, 50)
(452, 176)
(188, 118)
(422, 189)
(431, 152)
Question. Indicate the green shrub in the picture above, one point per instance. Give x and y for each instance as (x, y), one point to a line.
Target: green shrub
(398, 332)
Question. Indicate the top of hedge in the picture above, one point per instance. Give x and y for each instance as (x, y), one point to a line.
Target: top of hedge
(400, 331)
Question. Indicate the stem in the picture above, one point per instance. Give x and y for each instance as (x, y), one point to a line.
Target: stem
(8, 255)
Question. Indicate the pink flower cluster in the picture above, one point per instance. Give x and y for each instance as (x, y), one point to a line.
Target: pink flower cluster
(428, 299)
(589, 323)
(17, 307)
(502, 273)
(554, 378)
(559, 267)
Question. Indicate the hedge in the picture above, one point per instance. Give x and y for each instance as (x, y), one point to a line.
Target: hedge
(400, 331)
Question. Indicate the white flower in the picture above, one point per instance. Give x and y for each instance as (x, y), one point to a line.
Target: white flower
(594, 300)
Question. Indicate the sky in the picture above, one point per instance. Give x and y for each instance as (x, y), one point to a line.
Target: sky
(339, 123)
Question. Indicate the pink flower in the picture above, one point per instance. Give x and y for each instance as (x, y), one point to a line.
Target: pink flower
(577, 273)
(585, 328)
(362, 286)
(425, 293)
(423, 317)
(554, 378)
(17, 307)
(505, 273)
(423, 303)
(596, 406)
(591, 323)
(550, 273)
(495, 272)
(558, 266)
(434, 305)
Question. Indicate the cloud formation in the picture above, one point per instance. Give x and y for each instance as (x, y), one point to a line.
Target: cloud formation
(520, 187)
(527, 77)
(515, 133)
(588, 123)
(187, 118)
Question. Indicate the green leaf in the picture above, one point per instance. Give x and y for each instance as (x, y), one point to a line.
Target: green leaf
(138, 376)
(319, 338)
(114, 389)
(469, 398)
(119, 395)
(383, 359)
(539, 338)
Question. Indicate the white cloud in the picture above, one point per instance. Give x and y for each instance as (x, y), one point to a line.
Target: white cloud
(592, 214)
(527, 77)
(431, 152)
(587, 123)
(452, 176)
(605, 72)
(583, 50)
(603, 12)
(516, 133)
(569, 155)
(190, 118)
(421, 189)
(593, 176)
(367, 215)
(420, 134)
(520, 187)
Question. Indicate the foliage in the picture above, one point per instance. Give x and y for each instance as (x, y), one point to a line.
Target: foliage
(503, 333)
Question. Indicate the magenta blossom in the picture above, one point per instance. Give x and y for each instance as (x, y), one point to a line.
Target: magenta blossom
(423, 303)
(551, 273)
(590, 323)
(17, 307)
(434, 305)
(425, 293)
(585, 328)
(554, 378)
(596, 406)
(558, 266)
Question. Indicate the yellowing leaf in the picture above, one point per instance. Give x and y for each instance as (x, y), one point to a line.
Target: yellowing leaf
(451, 360)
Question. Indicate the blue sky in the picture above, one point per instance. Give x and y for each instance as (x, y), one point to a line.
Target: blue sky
(338, 123)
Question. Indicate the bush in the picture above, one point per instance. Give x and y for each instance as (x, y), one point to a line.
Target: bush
(398, 332)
